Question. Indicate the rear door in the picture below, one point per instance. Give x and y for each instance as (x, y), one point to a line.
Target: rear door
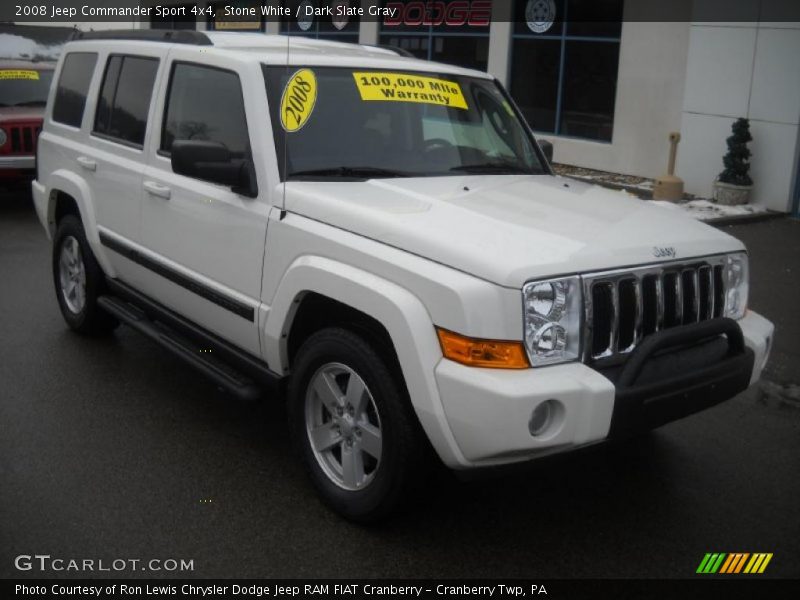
(203, 244)
(119, 112)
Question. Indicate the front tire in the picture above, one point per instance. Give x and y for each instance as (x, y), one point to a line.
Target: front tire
(353, 426)
(78, 280)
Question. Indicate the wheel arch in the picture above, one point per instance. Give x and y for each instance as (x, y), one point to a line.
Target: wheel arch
(70, 194)
(389, 313)
(316, 311)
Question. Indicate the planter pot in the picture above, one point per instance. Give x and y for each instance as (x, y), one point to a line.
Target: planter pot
(731, 195)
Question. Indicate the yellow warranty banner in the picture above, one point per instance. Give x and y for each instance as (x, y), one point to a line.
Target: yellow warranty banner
(402, 87)
(18, 74)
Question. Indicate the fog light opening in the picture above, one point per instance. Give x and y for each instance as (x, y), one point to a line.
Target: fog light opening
(542, 417)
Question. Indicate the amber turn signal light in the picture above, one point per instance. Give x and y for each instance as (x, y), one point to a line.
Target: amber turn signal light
(482, 353)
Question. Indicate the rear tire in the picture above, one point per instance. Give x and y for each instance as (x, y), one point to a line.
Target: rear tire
(79, 280)
(353, 426)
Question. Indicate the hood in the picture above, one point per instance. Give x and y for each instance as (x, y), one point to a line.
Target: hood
(26, 114)
(508, 229)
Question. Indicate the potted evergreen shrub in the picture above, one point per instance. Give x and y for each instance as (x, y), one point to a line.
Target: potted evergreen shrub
(733, 185)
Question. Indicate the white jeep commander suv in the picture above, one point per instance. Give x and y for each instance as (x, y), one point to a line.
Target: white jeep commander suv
(385, 236)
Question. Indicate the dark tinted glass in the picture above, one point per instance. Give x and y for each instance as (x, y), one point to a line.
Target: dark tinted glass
(28, 90)
(534, 81)
(415, 44)
(102, 116)
(132, 100)
(125, 98)
(470, 52)
(73, 85)
(430, 30)
(594, 18)
(205, 104)
(590, 86)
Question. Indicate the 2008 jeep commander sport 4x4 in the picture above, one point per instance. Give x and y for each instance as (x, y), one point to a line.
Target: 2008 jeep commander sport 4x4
(385, 236)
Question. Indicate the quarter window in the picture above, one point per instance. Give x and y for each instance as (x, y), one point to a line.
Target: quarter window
(205, 103)
(125, 98)
(73, 85)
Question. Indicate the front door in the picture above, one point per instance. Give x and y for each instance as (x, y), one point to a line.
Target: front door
(206, 242)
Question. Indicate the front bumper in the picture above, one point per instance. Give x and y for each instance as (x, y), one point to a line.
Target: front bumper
(489, 410)
(17, 162)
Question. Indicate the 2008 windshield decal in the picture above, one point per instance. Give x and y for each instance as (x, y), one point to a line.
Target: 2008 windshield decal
(298, 100)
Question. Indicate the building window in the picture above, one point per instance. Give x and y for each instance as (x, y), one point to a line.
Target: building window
(181, 17)
(237, 21)
(338, 27)
(453, 32)
(565, 57)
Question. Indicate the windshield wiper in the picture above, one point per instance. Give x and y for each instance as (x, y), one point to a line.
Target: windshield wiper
(494, 167)
(31, 103)
(348, 173)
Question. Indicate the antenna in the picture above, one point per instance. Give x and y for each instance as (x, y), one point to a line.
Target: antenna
(285, 133)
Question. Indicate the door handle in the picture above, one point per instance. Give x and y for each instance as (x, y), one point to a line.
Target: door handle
(156, 189)
(87, 163)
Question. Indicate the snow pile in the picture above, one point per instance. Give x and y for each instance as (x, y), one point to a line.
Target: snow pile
(704, 210)
(18, 47)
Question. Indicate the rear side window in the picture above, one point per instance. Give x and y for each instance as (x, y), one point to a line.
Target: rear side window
(73, 84)
(125, 98)
(205, 103)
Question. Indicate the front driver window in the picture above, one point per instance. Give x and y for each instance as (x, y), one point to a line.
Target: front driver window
(205, 103)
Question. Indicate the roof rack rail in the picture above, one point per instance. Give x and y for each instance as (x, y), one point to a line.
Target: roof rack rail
(192, 38)
(395, 49)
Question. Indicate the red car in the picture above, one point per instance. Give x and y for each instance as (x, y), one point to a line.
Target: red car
(24, 86)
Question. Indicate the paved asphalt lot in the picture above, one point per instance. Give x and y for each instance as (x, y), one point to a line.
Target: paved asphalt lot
(109, 447)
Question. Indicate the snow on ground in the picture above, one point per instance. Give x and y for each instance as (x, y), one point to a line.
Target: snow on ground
(705, 210)
(642, 188)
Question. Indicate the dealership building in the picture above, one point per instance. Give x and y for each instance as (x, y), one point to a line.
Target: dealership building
(605, 80)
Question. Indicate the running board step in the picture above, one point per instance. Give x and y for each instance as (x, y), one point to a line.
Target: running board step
(217, 371)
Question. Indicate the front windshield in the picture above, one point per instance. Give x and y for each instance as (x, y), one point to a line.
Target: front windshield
(348, 123)
(24, 87)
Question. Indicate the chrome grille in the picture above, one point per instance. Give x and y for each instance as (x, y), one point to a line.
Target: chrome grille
(624, 306)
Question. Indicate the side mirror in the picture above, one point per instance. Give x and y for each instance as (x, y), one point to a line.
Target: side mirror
(547, 149)
(212, 161)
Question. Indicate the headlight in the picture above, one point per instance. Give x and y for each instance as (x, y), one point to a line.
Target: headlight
(3, 137)
(736, 275)
(553, 320)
